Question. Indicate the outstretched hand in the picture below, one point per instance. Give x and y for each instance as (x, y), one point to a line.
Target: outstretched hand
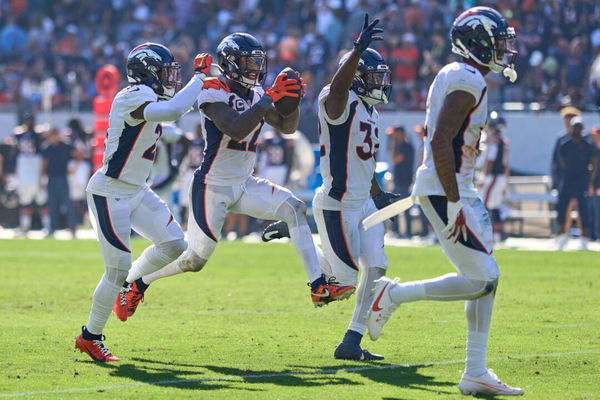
(366, 34)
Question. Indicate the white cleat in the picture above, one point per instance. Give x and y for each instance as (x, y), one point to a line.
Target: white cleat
(487, 383)
(382, 306)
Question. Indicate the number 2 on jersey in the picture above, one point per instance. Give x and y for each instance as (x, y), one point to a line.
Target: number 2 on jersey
(244, 145)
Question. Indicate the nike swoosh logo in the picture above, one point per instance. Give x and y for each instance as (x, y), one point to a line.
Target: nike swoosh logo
(376, 304)
(270, 235)
(326, 294)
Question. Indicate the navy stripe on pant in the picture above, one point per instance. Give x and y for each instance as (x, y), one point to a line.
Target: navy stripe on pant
(335, 233)
(198, 200)
(105, 223)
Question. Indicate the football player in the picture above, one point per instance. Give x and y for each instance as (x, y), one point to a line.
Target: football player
(28, 173)
(118, 196)
(349, 139)
(233, 112)
(456, 114)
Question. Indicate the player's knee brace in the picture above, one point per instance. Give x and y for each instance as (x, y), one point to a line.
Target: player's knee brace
(191, 262)
(172, 249)
(292, 211)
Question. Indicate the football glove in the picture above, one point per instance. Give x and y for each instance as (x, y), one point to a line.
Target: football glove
(202, 64)
(282, 87)
(366, 34)
(384, 199)
(302, 85)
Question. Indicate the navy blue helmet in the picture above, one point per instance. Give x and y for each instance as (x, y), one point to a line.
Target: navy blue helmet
(153, 65)
(241, 58)
(372, 81)
(483, 35)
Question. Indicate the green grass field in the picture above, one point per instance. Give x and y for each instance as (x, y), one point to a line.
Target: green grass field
(244, 328)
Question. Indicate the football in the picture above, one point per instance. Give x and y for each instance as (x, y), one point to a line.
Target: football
(287, 105)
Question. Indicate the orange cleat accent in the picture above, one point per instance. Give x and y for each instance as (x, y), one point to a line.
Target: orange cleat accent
(127, 301)
(327, 293)
(95, 349)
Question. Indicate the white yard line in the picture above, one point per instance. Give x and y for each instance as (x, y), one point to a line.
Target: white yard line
(570, 325)
(283, 374)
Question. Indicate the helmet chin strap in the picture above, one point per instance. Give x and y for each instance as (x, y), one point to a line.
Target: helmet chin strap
(373, 100)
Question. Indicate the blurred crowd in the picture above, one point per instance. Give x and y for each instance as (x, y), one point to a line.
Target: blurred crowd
(50, 50)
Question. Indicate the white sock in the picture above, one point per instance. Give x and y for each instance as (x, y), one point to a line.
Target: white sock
(323, 263)
(102, 303)
(151, 260)
(168, 270)
(25, 223)
(407, 292)
(476, 353)
(45, 221)
(304, 245)
(364, 296)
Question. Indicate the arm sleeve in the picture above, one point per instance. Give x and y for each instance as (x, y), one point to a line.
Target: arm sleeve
(174, 108)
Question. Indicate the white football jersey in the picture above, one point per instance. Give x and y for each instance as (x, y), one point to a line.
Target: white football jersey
(454, 76)
(227, 161)
(348, 147)
(130, 144)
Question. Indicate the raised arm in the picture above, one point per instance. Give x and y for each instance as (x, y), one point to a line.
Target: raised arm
(342, 80)
(173, 109)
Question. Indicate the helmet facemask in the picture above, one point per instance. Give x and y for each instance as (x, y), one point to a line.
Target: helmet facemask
(376, 83)
(248, 70)
(170, 79)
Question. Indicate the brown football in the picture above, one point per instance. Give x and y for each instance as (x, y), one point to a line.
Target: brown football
(287, 105)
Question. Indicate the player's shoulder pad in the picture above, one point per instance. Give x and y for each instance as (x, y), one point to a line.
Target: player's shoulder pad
(135, 95)
(214, 90)
(216, 84)
(461, 76)
(324, 93)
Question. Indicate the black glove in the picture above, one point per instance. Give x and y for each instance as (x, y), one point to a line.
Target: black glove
(384, 199)
(366, 34)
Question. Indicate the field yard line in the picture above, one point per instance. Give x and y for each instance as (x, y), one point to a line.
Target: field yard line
(259, 376)
(570, 325)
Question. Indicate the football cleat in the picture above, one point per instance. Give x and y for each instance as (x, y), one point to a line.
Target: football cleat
(127, 301)
(487, 384)
(382, 307)
(276, 230)
(94, 348)
(345, 351)
(328, 292)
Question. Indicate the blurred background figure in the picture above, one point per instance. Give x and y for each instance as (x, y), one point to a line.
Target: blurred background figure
(496, 171)
(577, 163)
(192, 154)
(567, 113)
(276, 157)
(79, 167)
(165, 169)
(56, 156)
(595, 189)
(427, 234)
(402, 154)
(28, 174)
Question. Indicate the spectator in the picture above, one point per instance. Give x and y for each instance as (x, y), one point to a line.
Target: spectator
(56, 157)
(496, 173)
(403, 158)
(595, 189)
(276, 157)
(577, 160)
(567, 113)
